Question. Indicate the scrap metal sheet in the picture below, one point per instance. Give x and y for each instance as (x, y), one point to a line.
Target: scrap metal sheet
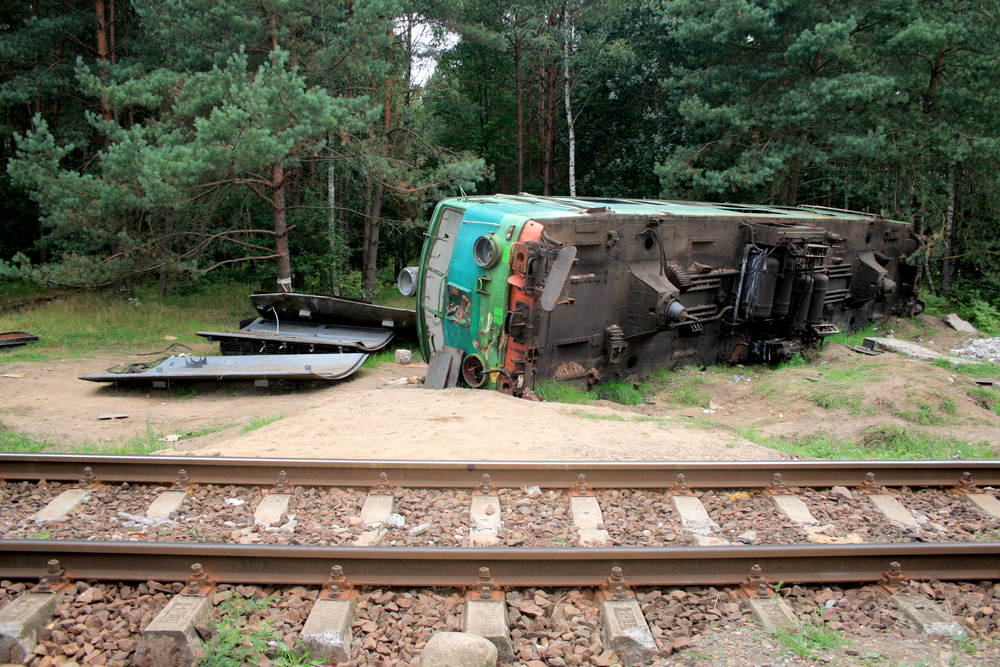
(305, 335)
(263, 367)
(285, 306)
(15, 338)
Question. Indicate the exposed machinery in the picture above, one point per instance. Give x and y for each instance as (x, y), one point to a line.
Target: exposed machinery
(512, 290)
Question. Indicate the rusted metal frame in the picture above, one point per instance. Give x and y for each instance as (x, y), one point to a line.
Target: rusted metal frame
(469, 474)
(458, 567)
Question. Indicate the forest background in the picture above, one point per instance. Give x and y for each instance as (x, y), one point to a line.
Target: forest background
(180, 143)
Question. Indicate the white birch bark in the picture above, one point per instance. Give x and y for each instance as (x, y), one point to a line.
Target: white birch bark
(569, 106)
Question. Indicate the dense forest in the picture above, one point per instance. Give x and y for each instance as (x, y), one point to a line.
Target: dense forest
(178, 141)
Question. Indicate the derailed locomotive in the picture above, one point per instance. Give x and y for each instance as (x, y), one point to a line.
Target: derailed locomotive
(512, 290)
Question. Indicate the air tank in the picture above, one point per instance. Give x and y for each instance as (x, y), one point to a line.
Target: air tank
(820, 283)
(803, 289)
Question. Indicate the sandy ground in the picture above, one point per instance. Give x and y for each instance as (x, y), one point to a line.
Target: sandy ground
(365, 417)
(375, 414)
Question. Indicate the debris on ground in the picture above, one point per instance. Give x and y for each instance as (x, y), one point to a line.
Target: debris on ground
(987, 349)
(958, 324)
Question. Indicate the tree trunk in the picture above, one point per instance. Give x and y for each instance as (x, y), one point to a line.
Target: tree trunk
(520, 114)
(373, 225)
(569, 110)
(332, 231)
(548, 175)
(281, 231)
(948, 265)
(102, 53)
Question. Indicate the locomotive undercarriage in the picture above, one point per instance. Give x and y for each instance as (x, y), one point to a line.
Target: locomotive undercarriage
(644, 294)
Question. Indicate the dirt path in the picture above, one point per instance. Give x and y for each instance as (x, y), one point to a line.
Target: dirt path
(374, 416)
(365, 417)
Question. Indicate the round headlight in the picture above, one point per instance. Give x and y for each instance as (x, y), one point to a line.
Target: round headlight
(474, 370)
(407, 281)
(485, 251)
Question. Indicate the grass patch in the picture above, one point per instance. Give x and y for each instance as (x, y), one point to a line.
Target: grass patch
(140, 443)
(241, 638)
(18, 443)
(987, 535)
(797, 361)
(387, 355)
(204, 430)
(862, 373)
(919, 412)
(769, 390)
(749, 432)
(986, 398)
(183, 390)
(808, 637)
(561, 392)
(619, 418)
(260, 421)
(878, 442)
(836, 398)
(78, 323)
(973, 370)
(618, 392)
(852, 338)
(14, 442)
(680, 388)
(384, 356)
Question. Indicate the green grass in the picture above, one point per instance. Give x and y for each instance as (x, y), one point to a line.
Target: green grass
(387, 355)
(861, 373)
(205, 430)
(988, 399)
(16, 293)
(618, 392)
(619, 418)
(797, 361)
(973, 370)
(987, 535)
(237, 641)
(808, 637)
(836, 398)
(183, 391)
(852, 338)
(878, 442)
(80, 322)
(561, 392)
(681, 387)
(772, 389)
(18, 443)
(14, 442)
(260, 421)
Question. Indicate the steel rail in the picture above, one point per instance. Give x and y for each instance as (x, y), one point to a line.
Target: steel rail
(459, 567)
(468, 474)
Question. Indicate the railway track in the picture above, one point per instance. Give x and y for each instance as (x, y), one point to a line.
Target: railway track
(539, 536)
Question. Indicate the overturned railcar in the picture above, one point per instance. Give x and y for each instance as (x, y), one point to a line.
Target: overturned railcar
(512, 290)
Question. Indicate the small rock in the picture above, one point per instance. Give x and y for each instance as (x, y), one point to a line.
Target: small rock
(490, 510)
(748, 537)
(458, 649)
(396, 521)
(404, 356)
(842, 491)
(958, 324)
(420, 530)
